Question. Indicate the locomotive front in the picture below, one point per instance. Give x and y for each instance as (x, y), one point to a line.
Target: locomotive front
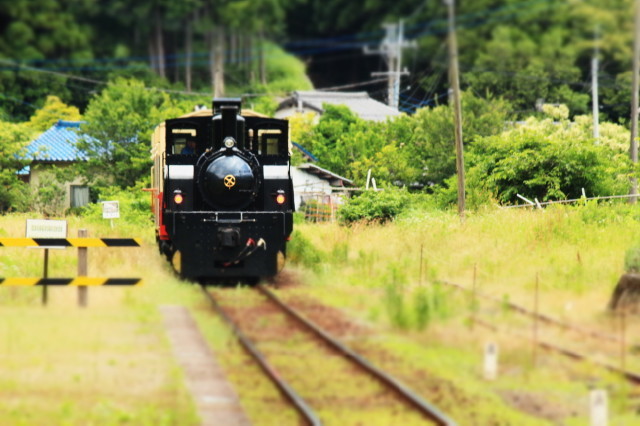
(224, 204)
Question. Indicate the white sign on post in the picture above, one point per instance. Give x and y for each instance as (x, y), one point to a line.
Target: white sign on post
(110, 210)
(43, 228)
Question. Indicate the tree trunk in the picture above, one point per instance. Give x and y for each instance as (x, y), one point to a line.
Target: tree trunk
(248, 57)
(219, 50)
(261, 59)
(188, 50)
(153, 56)
(159, 43)
(212, 56)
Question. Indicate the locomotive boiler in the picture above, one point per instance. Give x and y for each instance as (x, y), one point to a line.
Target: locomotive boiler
(222, 193)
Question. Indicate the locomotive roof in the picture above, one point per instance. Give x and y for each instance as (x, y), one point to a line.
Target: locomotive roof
(209, 113)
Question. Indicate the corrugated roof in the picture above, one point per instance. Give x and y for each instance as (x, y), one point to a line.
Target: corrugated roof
(358, 102)
(57, 144)
(324, 174)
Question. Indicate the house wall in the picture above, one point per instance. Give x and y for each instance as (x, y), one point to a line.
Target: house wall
(39, 171)
(307, 184)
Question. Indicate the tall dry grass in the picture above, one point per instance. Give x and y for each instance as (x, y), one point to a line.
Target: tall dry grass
(389, 275)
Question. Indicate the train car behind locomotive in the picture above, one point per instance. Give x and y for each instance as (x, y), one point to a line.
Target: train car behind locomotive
(222, 193)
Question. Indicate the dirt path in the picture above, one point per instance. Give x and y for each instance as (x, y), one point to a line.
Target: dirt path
(216, 401)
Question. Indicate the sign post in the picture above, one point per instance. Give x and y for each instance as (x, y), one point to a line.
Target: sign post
(83, 291)
(111, 210)
(42, 228)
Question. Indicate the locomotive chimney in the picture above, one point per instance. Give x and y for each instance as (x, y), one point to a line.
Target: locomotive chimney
(227, 121)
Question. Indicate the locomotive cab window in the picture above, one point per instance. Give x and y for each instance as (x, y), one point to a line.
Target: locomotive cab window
(183, 141)
(270, 142)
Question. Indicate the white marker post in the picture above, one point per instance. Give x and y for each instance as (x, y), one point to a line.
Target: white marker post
(598, 403)
(490, 361)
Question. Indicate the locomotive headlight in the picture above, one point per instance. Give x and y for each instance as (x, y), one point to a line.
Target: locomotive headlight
(229, 142)
(280, 197)
(178, 198)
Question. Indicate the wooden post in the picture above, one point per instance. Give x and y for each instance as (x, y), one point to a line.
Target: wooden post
(421, 251)
(454, 80)
(474, 295)
(623, 337)
(82, 269)
(635, 82)
(45, 293)
(535, 320)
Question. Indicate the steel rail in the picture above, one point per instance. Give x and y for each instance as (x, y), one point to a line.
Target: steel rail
(301, 406)
(630, 376)
(423, 406)
(544, 318)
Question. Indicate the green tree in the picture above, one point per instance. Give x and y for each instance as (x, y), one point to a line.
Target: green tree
(14, 194)
(430, 143)
(546, 160)
(34, 33)
(523, 70)
(120, 121)
(52, 111)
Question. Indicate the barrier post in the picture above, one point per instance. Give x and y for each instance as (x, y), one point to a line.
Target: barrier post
(82, 270)
(45, 295)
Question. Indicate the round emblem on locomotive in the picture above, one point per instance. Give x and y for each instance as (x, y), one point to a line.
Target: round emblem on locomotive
(229, 181)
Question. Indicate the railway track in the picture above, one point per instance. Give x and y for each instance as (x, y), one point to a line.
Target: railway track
(630, 376)
(386, 392)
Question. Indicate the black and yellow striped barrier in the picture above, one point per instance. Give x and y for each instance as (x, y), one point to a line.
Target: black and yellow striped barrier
(77, 282)
(70, 242)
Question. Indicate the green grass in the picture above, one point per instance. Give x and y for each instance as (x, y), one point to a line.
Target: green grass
(112, 364)
(107, 364)
(576, 253)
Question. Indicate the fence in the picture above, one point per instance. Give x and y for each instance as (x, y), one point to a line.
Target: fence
(574, 200)
(82, 243)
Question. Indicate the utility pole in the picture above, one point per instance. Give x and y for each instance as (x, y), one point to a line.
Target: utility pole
(633, 151)
(391, 48)
(454, 80)
(594, 90)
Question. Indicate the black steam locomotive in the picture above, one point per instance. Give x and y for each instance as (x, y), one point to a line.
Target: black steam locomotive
(222, 193)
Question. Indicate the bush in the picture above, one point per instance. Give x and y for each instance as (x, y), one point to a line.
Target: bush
(300, 251)
(374, 206)
(546, 160)
(135, 205)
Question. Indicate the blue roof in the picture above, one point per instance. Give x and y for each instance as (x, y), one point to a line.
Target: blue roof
(58, 144)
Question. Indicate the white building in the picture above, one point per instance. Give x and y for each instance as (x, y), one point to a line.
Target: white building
(318, 192)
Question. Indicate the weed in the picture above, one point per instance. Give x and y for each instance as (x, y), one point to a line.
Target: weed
(302, 251)
(394, 302)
